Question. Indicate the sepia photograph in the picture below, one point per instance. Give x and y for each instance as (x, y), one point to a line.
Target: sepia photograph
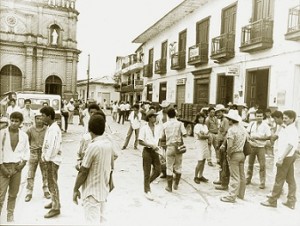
(150, 112)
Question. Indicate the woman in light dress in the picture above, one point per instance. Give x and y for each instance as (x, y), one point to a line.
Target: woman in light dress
(201, 144)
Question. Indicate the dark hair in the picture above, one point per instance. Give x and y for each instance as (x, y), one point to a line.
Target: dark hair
(259, 111)
(17, 115)
(171, 113)
(100, 112)
(277, 114)
(201, 114)
(48, 111)
(27, 100)
(268, 110)
(97, 124)
(291, 114)
(94, 106)
(12, 100)
(210, 108)
(137, 106)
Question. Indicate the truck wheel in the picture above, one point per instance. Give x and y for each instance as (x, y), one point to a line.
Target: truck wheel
(189, 129)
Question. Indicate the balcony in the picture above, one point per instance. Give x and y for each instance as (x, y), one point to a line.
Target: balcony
(148, 70)
(160, 66)
(133, 63)
(178, 60)
(257, 36)
(138, 84)
(127, 88)
(222, 48)
(198, 54)
(293, 31)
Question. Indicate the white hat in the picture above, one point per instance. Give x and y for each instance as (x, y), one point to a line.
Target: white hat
(164, 104)
(234, 115)
(219, 107)
(4, 119)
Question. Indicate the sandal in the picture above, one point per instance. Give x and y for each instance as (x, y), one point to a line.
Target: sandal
(227, 199)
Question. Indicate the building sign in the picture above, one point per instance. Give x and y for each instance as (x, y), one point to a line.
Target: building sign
(194, 52)
(233, 70)
(181, 81)
(281, 97)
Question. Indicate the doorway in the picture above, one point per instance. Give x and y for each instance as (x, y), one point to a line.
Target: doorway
(53, 85)
(225, 89)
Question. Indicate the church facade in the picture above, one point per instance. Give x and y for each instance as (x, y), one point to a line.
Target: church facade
(38, 47)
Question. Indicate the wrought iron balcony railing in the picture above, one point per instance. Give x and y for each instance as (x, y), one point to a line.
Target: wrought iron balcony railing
(222, 48)
(293, 29)
(160, 66)
(178, 60)
(198, 54)
(148, 70)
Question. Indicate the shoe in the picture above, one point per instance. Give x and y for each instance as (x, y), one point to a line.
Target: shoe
(227, 199)
(210, 164)
(269, 204)
(28, 198)
(48, 206)
(222, 188)
(289, 205)
(47, 195)
(217, 182)
(197, 180)
(10, 218)
(262, 186)
(123, 148)
(149, 196)
(52, 213)
(203, 179)
(240, 197)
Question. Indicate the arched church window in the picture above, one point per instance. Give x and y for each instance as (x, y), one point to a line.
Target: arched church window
(55, 35)
(10, 79)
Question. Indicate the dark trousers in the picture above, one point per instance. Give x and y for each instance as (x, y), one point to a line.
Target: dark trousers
(150, 157)
(66, 119)
(129, 133)
(52, 184)
(13, 185)
(122, 115)
(285, 172)
(225, 173)
(260, 153)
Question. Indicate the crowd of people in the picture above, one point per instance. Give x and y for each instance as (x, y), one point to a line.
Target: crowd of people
(224, 130)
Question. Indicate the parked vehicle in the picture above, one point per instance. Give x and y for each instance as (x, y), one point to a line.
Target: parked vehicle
(37, 101)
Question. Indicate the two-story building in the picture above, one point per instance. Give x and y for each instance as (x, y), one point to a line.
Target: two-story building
(213, 51)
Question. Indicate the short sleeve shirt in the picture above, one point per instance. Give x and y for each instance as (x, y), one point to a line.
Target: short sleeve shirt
(238, 134)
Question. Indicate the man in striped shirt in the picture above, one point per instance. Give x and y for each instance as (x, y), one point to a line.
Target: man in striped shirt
(94, 173)
(51, 154)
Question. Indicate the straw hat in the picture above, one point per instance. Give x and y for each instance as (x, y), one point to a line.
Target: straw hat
(234, 115)
(219, 107)
(165, 104)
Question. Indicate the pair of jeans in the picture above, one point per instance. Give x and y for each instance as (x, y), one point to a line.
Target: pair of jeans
(12, 184)
(173, 160)
(94, 211)
(150, 158)
(225, 173)
(52, 170)
(237, 185)
(260, 152)
(129, 133)
(34, 161)
(285, 172)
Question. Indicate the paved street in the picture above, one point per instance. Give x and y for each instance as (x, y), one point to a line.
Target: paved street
(192, 204)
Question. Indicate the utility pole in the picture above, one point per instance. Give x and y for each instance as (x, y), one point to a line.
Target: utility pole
(88, 80)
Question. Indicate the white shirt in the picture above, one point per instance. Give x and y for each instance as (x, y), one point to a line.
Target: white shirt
(21, 152)
(28, 115)
(11, 109)
(258, 130)
(147, 136)
(52, 144)
(288, 136)
(135, 121)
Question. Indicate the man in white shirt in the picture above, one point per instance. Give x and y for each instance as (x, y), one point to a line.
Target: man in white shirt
(28, 115)
(259, 132)
(71, 108)
(135, 119)
(288, 139)
(14, 153)
(122, 112)
(51, 154)
(12, 108)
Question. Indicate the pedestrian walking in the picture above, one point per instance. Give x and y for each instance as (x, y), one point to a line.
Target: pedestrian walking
(201, 143)
(114, 110)
(173, 133)
(94, 174)
(288, 139)
(212, 124)
(236, 138)
(259, 132)
(51, 154)
(127, 110)
(122, 112)
(135, 119)
(14, 153)
(36, 136)
(71, 108)
(65, 114)
(149, 138)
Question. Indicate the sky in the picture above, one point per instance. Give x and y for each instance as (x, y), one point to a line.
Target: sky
(106, 29)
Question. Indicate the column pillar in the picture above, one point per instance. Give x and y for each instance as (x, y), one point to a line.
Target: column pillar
(39, 71)
(28, 69)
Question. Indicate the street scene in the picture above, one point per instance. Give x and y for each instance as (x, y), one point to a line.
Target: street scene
(191, 204)
(178, 112)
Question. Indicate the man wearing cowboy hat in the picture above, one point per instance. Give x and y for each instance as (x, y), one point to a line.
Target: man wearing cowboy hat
(149, 138)
(236, 137)
(162, 114)
(223, 128)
